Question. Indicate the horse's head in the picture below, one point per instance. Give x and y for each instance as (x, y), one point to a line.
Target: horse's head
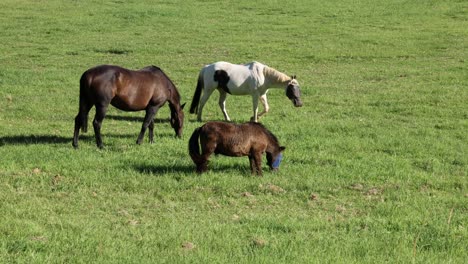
(293, 92)
(274, 158)
(177, 119)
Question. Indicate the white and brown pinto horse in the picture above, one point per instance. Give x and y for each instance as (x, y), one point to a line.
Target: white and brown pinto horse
(252, 78)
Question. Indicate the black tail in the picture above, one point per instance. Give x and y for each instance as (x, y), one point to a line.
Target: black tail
(194, 148)
(196, 96)
(84, 104)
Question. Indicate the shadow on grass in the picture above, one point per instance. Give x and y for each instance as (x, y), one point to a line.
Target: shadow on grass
(50, 139)
(188, 169)
(163, 169)
(34, 139)
(192, 118)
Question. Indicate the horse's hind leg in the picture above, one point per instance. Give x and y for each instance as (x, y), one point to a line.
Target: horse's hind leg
(222, 104)
(207, 150)
(202, 165)
(97, 123)
(81, 121)
(206, 95)
(76, 133)
(149, 119)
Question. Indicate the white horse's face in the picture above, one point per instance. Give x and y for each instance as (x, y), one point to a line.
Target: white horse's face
(293, 92)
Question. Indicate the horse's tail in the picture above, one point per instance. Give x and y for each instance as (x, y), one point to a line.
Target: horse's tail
(84, 108)
(194, 148)
(196, 96)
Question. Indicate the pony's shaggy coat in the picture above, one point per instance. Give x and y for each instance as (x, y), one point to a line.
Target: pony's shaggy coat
(248, 139)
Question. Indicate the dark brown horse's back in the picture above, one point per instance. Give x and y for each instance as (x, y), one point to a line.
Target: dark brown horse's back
(129, 90)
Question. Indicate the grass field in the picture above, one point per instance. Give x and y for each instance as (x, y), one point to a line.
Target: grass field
(375, 169)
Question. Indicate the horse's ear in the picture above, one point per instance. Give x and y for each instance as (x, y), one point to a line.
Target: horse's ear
(182, 106)
(282, 148)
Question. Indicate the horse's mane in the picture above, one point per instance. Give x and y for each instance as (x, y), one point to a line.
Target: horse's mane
(267, 132)
(275, 75)
(155, 69)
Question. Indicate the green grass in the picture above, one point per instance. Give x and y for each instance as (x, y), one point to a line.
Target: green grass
(376, 163)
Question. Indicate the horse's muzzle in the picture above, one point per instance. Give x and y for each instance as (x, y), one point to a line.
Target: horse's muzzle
(297, 102)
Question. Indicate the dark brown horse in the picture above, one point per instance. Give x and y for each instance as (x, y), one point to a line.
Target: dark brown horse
(146, 89)
(248, 139)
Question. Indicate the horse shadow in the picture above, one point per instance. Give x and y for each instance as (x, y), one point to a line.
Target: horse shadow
(34, 140)
(163, 169)
(49, 139)
(188, 169)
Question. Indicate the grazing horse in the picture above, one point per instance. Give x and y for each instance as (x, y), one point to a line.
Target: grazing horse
(248, 139)
(146, 89)
(252, 78)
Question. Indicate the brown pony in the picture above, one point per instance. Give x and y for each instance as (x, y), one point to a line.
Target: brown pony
(146, 89)
(248, 139)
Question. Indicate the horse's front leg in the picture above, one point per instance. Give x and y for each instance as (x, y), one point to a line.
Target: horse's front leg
(255, 159)
(252, 164)
(222, 104)
(97, 123)
(254, 118)
(149, 118)
(266, 107)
